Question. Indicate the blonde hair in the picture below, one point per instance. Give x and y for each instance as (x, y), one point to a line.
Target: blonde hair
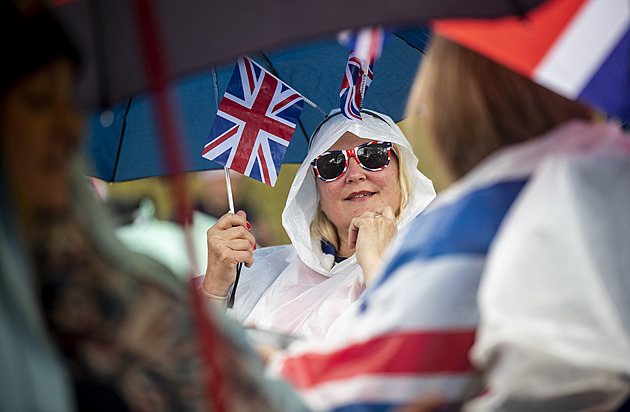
(322, 228)
(474, 106)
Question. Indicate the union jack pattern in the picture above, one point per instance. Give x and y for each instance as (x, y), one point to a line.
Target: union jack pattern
(355, 83)
(254, 123)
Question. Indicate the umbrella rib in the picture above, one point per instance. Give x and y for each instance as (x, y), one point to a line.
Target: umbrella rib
(410, 45)
(120, 139)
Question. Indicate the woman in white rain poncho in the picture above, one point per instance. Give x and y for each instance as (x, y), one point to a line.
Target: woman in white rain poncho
(301, 288)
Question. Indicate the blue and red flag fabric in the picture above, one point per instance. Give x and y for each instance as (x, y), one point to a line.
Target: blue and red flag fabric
(579, 49)
(254, 124)
(356, 80)
(366, 46)
(408, 342)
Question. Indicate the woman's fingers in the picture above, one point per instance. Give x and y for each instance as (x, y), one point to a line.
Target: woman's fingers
(370, 235)
(232, 234)
(229, 243)
(231, 226)
(229, 220)
(356, 224)
(375, 224)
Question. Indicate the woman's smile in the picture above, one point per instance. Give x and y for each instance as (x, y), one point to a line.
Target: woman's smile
(359, 196)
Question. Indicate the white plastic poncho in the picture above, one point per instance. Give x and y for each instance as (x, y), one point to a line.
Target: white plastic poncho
(554, 299)
(297, 289)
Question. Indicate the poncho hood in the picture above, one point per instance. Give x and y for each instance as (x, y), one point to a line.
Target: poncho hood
(303, 197)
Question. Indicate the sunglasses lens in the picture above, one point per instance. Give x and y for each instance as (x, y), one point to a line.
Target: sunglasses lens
(331, 165)
(373, 156)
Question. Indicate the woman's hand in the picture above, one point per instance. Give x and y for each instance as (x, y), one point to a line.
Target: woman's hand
(370, 235)
(229, 243)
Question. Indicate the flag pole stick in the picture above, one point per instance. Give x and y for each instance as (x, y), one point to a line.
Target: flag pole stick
(229, 189)
(366, 73)
(228, 184)
(230, 301)
(215, 85)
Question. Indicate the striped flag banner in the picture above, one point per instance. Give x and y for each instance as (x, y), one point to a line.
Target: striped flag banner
(366, 46)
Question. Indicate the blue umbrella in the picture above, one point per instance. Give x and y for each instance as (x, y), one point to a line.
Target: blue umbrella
(123, 142)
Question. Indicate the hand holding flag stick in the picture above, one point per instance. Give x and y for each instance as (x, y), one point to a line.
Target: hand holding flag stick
(258, 115)
(215, 83)
(230, 301)
(254, 124)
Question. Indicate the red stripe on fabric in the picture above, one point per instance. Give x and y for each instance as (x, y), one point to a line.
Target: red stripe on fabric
(256, 118)
(373, 45)
(345, 83)
(401, 353)
(250, 74)
(213, 347)
(519, 44)
(220, 140)
(157, 71)
(287, 101)
(263, 164)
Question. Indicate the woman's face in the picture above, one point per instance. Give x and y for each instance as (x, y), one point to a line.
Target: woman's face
(358, 190)
(40, 127)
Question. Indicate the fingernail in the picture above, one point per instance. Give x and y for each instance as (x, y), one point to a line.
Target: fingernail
(248, 226)
(254, 247)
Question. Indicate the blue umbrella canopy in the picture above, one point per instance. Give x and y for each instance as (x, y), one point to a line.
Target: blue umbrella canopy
(123, 141)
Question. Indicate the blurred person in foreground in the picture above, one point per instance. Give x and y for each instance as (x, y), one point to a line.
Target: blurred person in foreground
(548, 182)
(85, 324)
(539, 206)
(358, 184)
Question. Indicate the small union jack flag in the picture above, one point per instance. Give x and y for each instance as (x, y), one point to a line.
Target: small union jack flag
(254, 123)
(366, 45)
(355, 83)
